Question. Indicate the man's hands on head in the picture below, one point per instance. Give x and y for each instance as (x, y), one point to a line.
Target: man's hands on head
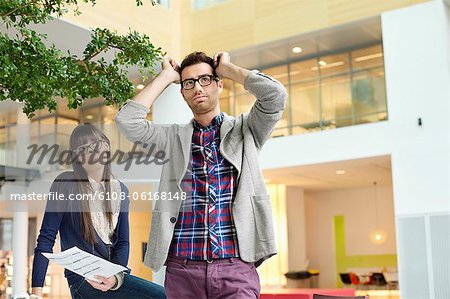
(170, 70)
(226, 69)
(168, 75)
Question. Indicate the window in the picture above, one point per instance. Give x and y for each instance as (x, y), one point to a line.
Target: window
(325, 92)
(200, 4)
(163, 3)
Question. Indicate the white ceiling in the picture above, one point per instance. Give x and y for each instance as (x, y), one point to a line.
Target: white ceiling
(346, 36)
(360, 173)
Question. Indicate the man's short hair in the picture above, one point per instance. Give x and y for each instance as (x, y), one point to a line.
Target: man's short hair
(195, 58)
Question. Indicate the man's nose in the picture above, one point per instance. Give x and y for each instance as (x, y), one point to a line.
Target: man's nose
(197, 86)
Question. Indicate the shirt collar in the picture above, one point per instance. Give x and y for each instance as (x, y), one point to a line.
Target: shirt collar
(215, 123)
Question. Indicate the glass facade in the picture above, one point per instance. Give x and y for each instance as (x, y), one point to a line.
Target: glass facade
(325, 92)
(56, 127)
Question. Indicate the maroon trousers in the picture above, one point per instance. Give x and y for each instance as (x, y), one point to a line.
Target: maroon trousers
(222, 278)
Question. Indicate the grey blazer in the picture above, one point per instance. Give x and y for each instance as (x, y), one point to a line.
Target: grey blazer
(241, 141)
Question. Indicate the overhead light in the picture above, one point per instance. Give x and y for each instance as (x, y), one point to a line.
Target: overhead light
(368, 57)
(322, 62)
(89, 116)
(140, 87)
(297, 50)
(339, 172)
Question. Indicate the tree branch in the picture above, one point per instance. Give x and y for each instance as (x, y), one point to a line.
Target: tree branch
(107, 46)
(17, 8)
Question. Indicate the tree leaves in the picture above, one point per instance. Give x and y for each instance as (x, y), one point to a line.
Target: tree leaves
(36, 75)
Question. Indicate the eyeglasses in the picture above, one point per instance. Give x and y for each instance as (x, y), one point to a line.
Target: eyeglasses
(204, 80)
(91, 146)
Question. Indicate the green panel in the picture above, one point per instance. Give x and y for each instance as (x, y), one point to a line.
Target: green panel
(354, 261)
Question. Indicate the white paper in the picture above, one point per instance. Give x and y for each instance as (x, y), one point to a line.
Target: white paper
(84, 263)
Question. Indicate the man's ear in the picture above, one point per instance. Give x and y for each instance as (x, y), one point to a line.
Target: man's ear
(220, 85)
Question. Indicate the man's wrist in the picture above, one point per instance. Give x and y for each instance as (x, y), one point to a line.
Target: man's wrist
(167, 77)
(235, 73)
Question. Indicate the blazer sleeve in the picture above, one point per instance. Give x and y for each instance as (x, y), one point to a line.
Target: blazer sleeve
(131, 122)
(269, 106)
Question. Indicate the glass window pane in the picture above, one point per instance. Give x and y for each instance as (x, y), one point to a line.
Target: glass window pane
(333, 64)
(3, 135)
(12, 118)
(336, 101)
(305, 105)
(3, 118)
(367, 57)
(63, 110)
(108, 114)
(34, 128)
(304, 71)
(12, 133)
(64, 130)
(244, 103)
(239, 89)
(369, 95)
(279, 72)
(227, 88)
(225, 105)
(47, 126)
(91, 115)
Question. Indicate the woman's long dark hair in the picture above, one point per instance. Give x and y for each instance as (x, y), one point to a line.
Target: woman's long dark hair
(83, 134)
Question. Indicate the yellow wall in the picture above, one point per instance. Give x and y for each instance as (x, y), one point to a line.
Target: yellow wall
(160, 23)
(140, 219)
(231, 25)
(240, 23)
(139, 229)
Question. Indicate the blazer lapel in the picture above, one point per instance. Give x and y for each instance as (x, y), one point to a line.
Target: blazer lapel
(226, 143)
(185, 136)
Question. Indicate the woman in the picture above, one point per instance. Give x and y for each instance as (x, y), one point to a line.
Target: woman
(93, 217)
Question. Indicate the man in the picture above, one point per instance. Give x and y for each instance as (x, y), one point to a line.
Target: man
(212, 241)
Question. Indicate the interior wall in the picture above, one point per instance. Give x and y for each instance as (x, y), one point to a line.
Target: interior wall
(357, 207)
(162, 25)
(295, 214)
(235, 24)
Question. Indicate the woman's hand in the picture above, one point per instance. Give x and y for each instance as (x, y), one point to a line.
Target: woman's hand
(106, 283)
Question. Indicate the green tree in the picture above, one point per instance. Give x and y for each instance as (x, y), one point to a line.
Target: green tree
(36, 74)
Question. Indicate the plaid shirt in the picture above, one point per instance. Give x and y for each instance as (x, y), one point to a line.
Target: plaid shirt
(205, 228)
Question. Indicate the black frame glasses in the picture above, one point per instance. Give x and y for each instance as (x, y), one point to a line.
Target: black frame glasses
(204, 80)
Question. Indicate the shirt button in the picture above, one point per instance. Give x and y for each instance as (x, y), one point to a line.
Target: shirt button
(173, 219)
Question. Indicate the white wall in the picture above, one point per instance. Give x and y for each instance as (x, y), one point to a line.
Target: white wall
(361, 141)
(416, 47)
(357, 206)
(418, 85)
(295, 216)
